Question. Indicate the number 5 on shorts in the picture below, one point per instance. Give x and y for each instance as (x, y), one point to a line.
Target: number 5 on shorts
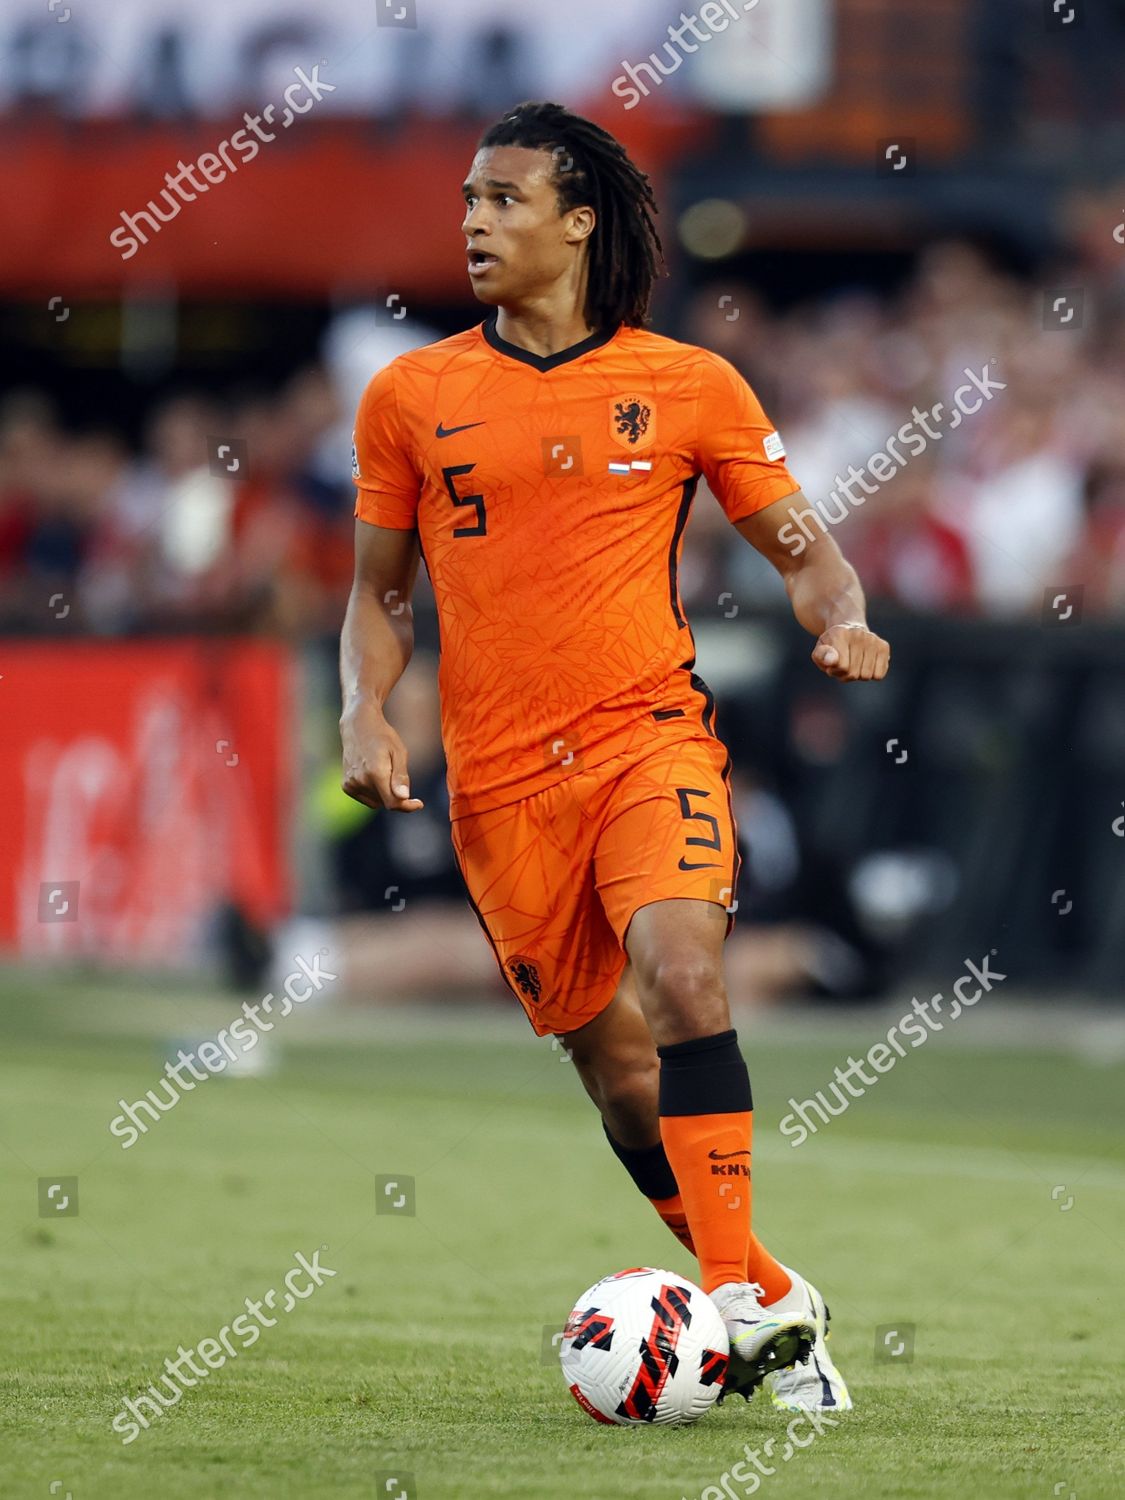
(714, 842)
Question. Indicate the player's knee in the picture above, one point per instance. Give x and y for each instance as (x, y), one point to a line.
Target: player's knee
(629, 1097)
(630, 1080)
(685, 981)
(687, 997)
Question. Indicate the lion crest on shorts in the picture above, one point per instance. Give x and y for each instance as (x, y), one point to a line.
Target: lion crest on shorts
(526, 976)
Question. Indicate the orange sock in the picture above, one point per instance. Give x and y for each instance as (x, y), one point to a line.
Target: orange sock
(761, 1266)
(649, 1169)
(710, 1155)
(770, 1274)
(671, 1210)
(705, 1124)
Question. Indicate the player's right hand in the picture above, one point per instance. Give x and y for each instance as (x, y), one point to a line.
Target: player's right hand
(375, 770)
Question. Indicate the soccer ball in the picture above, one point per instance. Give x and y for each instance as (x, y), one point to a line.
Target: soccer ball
(644, 1346)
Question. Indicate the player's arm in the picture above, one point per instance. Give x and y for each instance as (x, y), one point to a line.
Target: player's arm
(825, 593)
(375, 646)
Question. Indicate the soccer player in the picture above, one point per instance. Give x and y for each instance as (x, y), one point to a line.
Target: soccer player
(543, 464)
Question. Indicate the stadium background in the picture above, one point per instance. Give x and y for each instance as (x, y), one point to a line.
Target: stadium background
(861, 202)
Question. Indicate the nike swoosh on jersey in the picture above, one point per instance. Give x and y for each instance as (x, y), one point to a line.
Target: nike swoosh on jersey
(685, 866)
(449, 431)
(722, 1155)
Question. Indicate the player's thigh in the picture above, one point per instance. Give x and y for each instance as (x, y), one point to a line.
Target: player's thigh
(528, 868)
(668, 833)
(666, 865)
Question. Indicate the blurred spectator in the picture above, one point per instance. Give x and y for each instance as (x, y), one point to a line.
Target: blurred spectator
(911, 553)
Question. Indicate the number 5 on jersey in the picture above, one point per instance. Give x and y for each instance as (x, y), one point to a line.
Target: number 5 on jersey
(477, 501)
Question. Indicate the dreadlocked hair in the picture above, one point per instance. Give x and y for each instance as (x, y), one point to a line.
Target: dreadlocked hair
(592, 168)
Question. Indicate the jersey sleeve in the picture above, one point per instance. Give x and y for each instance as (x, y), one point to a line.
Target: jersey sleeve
(740, 453)
(386, 480)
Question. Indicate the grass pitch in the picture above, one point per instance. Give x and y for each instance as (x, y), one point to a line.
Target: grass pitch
(974, 1202)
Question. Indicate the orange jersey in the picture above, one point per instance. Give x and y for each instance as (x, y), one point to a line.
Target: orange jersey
(550, 497)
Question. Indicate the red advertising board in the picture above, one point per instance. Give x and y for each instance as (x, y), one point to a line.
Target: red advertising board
(144, 785)
(308, 217)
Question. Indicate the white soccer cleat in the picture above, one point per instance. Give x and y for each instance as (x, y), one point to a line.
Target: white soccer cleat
(761, 1342)
(817, 1385)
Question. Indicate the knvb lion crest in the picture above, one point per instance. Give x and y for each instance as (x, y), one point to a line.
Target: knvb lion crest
(524, 973)
(632, 422)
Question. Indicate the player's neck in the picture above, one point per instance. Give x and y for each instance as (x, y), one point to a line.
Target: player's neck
(542, 330)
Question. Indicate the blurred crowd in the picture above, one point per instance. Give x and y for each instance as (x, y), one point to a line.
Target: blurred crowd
(180, 535)
(1022, 495)
(239, 515)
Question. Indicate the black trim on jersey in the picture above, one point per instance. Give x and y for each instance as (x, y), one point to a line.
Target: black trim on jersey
(708, 697)
(689, 488)
(708, 722)
(542, 362)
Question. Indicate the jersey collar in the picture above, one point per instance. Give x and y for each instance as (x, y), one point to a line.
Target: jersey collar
(542, 361)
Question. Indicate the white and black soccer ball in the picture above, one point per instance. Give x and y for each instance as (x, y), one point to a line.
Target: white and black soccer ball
(644, 1346)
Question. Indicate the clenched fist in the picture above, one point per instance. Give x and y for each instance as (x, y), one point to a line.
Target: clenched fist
(852, 653)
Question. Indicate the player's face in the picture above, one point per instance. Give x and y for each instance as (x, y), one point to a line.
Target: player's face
(519, 245)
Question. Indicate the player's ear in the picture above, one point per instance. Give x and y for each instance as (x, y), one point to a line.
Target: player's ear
(579, 224)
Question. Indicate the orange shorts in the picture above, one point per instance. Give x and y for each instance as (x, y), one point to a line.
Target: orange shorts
(556, 877)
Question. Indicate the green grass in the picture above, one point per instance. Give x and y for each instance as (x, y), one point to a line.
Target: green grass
(929, 1202)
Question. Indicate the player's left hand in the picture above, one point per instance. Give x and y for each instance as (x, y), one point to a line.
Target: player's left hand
(852, 653)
